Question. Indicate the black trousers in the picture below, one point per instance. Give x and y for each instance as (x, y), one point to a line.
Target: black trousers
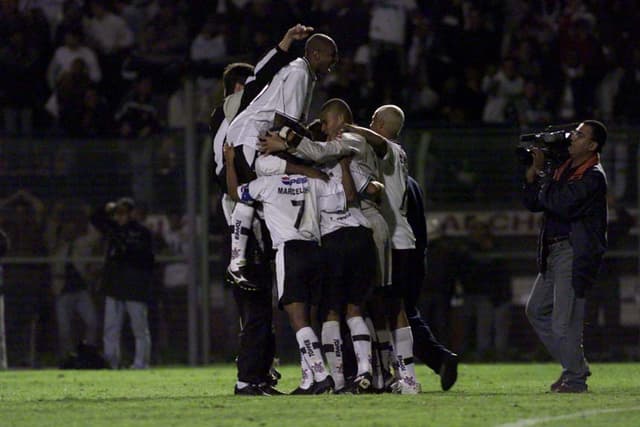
(257, 339)
(425, 345)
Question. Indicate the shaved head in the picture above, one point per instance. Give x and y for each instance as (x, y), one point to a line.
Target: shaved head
(321, 52)
(320, 42)
(338, 107)
(390, 118)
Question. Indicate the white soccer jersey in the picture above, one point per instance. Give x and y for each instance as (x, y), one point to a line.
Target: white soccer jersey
(289, 92)
(291, 204)
(342, 215)
(395, 171)
(218, 145)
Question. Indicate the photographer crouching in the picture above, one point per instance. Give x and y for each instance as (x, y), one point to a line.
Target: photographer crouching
(571, 244)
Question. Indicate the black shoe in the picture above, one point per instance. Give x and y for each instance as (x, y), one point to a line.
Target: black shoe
(249, 390)
(238, 278)
(270, 390)
(362, 384)
(326, 386)
(304, 391)
(556, 385)
(449, 371)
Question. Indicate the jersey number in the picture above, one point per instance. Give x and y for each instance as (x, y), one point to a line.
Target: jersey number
(299, 203)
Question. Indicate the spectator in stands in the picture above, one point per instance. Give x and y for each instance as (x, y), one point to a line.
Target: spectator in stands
(604, 300)
(24, 285)
(72, 282)
(503, 87)
(163, 38)
(18, 82)
(209, 56)
(128, 280)
(487, 294)
(71, 88)
(111, 38)
(628, 99)
(534, 106)
(174, 299)
(70, 20)
(445, 261)
(63, 59)
(388, 28)
(96, 117)
(138, 117)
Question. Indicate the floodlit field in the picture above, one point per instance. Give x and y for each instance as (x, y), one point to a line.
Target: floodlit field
(485, 395)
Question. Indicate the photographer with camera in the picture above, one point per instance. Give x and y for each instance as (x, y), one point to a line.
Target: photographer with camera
(571, 244)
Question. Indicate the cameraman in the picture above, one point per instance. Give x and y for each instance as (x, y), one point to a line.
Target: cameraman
(571, 245)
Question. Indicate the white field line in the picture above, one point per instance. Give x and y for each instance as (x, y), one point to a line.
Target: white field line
(589, 413)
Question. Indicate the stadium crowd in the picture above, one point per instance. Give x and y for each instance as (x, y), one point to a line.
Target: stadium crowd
(88, 68)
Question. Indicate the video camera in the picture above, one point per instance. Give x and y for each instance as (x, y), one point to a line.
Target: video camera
(554, 142)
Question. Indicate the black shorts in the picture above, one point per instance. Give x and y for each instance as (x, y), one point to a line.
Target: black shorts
(349, 267)
(298, 272)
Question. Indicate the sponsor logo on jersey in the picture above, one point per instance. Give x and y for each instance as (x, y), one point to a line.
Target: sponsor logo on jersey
(287, 180)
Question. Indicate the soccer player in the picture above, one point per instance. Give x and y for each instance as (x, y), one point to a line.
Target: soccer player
(257, 341)
(290, 204)
(288, 93)
(385, 127)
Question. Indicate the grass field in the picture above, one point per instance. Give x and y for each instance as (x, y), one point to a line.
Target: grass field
(485, 395)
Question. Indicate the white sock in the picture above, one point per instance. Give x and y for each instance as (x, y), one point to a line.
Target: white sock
(403, 346)
(306, 376)
(241, 221)
(385, 349)
(311, 352)
(361, 343)
(332, 348)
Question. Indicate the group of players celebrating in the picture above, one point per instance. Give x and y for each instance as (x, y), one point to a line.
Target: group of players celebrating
(327, 205)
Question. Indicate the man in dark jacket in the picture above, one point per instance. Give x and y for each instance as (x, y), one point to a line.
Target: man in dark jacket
(571, 245)
(128, 279)
(425, 345)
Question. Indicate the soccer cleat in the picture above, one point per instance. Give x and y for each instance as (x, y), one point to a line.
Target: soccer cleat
(326, 386)
(448, 371)
(238, 278)
(250, 390)
(270, 390)
(406, 386)
(362, 384)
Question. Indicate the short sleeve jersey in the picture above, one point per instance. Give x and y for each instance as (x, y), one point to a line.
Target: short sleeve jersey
(292, 204)
(395, 171)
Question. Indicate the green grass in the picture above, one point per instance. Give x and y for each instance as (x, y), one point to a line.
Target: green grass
(485, 395)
